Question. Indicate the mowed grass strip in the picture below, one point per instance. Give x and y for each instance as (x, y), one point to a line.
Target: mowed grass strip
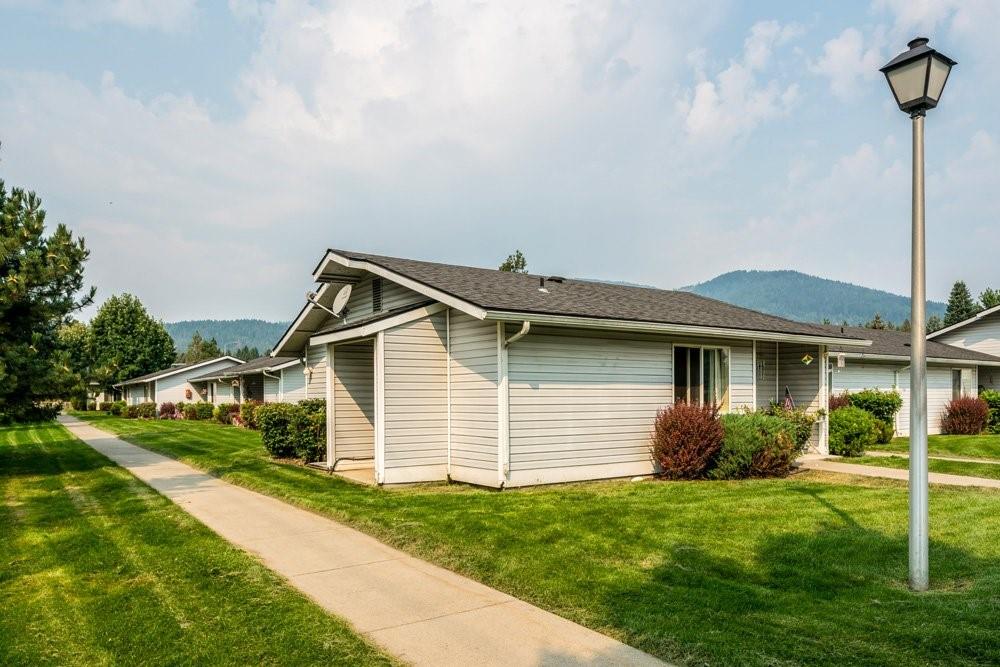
(806, 570)
(967, 468)
(986, 446)
(98, 569)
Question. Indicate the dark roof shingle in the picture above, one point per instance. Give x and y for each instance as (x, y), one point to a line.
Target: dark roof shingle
(253, 366)
(897, 344)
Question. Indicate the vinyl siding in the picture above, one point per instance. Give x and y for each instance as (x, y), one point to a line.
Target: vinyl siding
(394, 295)
(293, 384)
(173, 388)
(473, 393)
(858, 375)
(767, 373)
(271, 389)
(582, 398)
(316, 360)
(223, 391)
(802, 381)
(981, 336)
(354, 401)
(989, 377)
(416, 397)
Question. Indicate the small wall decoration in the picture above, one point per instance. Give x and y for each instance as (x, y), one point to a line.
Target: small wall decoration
(187, 394)
(807, 359)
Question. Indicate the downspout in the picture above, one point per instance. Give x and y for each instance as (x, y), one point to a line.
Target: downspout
(525, 328)
(504, 399)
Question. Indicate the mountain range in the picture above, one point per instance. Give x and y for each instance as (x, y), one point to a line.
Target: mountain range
(790, 294)
(800, 296)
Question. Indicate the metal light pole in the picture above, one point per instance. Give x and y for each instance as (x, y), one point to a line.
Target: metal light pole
(917, 79)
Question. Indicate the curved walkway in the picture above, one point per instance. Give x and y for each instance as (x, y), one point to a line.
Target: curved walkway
(419, 612)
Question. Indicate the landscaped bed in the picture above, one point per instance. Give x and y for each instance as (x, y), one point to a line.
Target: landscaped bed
(809, 569)
(96, 568)
(984, 446)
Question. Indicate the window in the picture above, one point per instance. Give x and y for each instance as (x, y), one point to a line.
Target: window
(376, 295)
(956, 383)
(701, 376)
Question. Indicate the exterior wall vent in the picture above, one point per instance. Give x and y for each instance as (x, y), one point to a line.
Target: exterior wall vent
(376, 295)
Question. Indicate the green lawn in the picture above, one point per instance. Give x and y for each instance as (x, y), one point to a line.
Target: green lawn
(988, 470)
(97, 569)
(805, 570)
(975, 446)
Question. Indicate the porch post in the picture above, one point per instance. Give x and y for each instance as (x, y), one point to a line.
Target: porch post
(380, 407)
(331, 445)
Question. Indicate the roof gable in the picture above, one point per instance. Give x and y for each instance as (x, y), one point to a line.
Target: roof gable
(978, 317)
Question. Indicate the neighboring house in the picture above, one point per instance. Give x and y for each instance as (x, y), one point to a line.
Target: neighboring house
(951, 371)
(172, 384)
(267, 379)
(981, 333)
(437, 371)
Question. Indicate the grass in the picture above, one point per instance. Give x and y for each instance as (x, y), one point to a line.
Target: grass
(985, 446)
(967, 468)
(97, 569)
(806, 570)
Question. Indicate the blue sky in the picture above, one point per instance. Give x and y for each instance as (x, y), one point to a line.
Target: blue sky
(209, 152)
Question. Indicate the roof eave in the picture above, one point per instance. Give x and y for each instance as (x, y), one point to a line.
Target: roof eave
(958, 325)
(662, 327)
(902, 357)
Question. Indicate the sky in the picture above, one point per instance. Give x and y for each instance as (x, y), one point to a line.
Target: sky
(210, 152)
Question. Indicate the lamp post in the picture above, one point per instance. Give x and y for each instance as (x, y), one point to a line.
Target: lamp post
(916, 78)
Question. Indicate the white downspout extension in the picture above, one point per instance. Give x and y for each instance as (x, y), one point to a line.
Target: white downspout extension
(503, 398)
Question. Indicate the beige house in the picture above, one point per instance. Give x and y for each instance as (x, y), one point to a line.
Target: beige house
(980, 333)
(435, 371)
(951, 372)
(173, 384)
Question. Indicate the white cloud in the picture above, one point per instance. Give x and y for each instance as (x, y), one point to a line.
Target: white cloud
(717, 111)
(847, 61)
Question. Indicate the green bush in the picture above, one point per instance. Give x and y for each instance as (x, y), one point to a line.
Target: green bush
(203, 410)
(314, 405)
(78, 403)
(147, 410)
(278, 423)
(852, 431)
(248, 413)
(992, 399)
(105, 406)
(118, 408)
(756, 445)
(132, 411)
(883, 405)
(190, 411)
(224, 412)
(310, 439)
(798, 417)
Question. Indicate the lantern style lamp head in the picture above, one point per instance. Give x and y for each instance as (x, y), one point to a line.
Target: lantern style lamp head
(917, 77)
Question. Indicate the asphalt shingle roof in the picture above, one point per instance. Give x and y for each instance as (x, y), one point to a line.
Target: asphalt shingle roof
(897, 343)
(169, 370)
(253, 366)
(518, 292)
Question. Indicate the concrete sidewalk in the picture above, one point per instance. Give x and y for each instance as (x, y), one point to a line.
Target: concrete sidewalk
(895, 473)
(419, 612)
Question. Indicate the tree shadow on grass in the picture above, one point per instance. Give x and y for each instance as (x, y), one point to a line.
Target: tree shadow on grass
(832, 594)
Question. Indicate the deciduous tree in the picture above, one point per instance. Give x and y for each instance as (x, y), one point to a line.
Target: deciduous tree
(127, 341)
(515, 263)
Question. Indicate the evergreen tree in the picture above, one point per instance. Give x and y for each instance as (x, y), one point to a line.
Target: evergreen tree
(934, 323)
(515, 263)
(199, 349)
(960, 304)
(41, 278)
(989, 298)
(246, 353)
(877, 323)
(127, 341)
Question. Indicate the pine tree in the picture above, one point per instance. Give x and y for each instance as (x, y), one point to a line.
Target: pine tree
(934, 323)
(989, 298)
(41, 283)
(877, 323)
(960, 304)
(515, 263)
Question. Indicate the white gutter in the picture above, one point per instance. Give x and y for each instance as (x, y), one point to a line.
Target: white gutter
(936, 360)
(657, 327)
(525, 328)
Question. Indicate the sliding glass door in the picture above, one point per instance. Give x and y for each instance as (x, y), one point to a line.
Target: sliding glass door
(701, 375)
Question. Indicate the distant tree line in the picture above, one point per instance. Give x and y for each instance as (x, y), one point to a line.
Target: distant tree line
(961, 306)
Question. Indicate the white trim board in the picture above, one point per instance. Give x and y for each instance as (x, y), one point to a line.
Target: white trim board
(958, 325)
(366, 330)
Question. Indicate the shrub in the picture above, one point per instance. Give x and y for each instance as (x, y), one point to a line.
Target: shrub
(310, 438)
(798, 417)
(118, 408)
(180, 407)
(852, 431)
(248, 413)
(886, 431)
(686, 440)
(967, 415)
(992, 398)
(756, 445)
(883, 405)
(190, 411)
(203, 410)
(224, 412)
(147, 410)
(314, 405)
(839, 401)
(278, 423)
(104, 406)
(42, 411)
(132, 411)
(168, 410)
(78, 402)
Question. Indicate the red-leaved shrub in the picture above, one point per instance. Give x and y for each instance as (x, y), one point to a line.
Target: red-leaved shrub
(966, 416)
(168, 410)
(686, 439)
(838, 401)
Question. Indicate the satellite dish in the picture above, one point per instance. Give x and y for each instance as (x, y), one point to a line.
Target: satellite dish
(340, 301)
